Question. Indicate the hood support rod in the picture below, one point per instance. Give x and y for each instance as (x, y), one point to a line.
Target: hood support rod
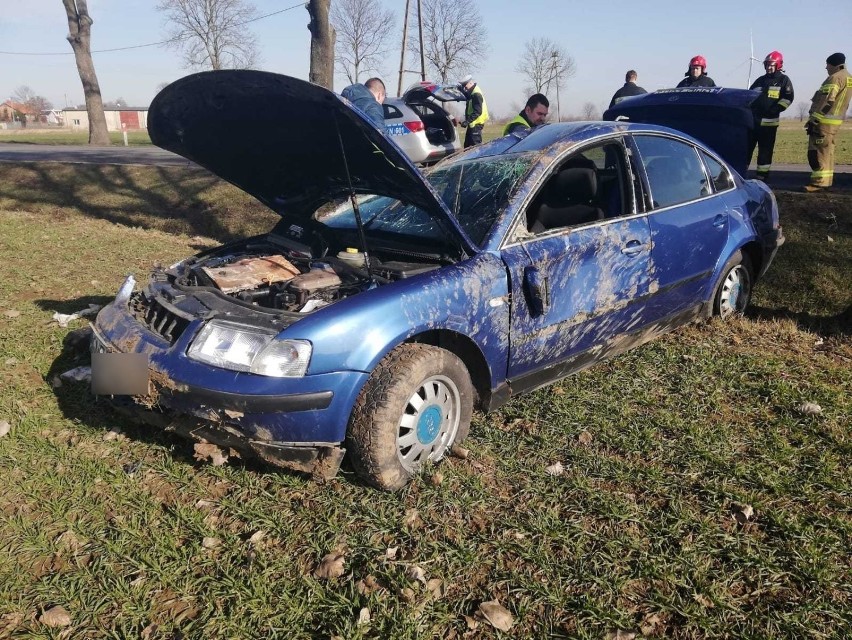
(355, 208)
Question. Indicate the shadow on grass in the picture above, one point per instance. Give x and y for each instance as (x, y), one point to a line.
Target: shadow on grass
(838, 325)
(169, 199)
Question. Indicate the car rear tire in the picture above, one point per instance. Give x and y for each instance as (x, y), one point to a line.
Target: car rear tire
(416, 404)
(733, 293)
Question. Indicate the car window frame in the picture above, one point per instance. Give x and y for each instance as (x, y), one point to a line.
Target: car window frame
(515, 236)
(698, 150)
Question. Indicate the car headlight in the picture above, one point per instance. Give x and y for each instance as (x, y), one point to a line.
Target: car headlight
(242, 348)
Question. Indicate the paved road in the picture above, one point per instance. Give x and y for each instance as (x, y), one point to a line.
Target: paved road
(784, 176)
(151, 155)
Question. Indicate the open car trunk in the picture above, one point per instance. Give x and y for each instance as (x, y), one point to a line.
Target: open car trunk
(426, 100)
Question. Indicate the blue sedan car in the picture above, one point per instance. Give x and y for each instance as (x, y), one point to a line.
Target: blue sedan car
(387, 304)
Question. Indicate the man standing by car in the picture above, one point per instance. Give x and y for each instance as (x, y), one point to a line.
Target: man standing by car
(533, 114)
(368, 97)
(475, 111)
(776, 94)
(629, 89)
(828, 110)
(696, 74)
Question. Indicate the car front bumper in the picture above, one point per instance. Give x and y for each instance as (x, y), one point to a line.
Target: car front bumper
(294, 423)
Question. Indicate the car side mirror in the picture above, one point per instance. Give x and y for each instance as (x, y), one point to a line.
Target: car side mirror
(536, 291)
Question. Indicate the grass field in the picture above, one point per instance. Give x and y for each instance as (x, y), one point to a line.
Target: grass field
(791, 146)
(697, 498)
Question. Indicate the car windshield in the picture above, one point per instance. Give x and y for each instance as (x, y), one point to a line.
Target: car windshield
(475, 192)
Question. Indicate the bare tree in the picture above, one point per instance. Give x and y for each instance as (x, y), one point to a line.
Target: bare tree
(545, 65)
(322, 43)
(26, 96)
(211, 34)
(80, 37)
(802, 109)
(454, 38)
(363, 28)
(589, 111)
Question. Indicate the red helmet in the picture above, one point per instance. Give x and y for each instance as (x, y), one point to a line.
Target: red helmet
(698, 61)
(775, 58)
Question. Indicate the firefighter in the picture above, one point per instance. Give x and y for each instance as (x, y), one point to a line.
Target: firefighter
(534, 113)
(696, 74)
(475, 111)
(828, 110)
(776, 94)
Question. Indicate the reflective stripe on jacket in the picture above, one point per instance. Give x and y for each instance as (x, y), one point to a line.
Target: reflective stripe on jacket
(776, 94)
(831, 101)
(482, 118)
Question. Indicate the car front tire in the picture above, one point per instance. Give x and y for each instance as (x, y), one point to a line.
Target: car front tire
(733, 293)
(416, 404)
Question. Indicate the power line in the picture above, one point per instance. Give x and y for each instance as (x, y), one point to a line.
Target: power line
(142, 46)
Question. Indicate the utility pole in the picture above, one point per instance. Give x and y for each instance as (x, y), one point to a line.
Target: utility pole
(402, 49)
(422, 56)
(556, 71)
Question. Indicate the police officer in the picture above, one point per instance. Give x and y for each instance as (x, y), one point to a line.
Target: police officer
(696, 74)
(828, 110)
(475, 111)
(776, 94)
(533, 114)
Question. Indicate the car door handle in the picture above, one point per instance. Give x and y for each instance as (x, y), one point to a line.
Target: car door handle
(720, 220)
(632, 248)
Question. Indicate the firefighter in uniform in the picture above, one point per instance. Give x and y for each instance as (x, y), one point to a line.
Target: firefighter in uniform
(475, 111)
(776, 94)
(828, 110)
(534, 113)
(696, 74)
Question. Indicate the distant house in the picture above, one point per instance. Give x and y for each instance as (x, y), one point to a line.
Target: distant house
(11, 111)
(123, 119)
(52, 116)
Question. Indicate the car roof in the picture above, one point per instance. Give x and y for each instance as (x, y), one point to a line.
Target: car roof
(549, 136)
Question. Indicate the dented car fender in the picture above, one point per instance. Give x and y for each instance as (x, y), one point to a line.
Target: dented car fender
(469, 298)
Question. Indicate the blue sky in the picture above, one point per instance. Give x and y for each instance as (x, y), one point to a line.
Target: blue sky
(605, 39)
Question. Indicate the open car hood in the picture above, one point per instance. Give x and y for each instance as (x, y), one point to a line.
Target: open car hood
(291, 144)
(719, 117)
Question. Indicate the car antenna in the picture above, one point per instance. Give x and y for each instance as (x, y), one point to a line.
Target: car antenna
(355, 208)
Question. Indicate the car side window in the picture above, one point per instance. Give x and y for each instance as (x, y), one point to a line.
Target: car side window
(391, 111)
(590, 185)
(675, 173)
(719, 174)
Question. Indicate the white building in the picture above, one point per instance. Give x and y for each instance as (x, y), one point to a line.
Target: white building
(124, 119)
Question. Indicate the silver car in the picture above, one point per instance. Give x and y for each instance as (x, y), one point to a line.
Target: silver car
(420, 125)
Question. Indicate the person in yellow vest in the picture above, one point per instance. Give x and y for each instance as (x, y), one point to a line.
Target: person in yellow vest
(533, 114)
(828, 110)
(475, 111)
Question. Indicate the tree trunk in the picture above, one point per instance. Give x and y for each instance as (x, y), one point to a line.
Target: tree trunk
(322, 44)
(79, 35)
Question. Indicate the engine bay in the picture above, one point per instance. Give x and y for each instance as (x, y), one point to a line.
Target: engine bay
(275, 274)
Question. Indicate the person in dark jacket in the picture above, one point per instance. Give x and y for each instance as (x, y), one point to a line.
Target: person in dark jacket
(629, 89)
(696, 75)
(776, 94)
(368, 97)
(534, 113)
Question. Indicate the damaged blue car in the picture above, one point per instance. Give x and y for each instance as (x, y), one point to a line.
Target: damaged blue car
(387, 304)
